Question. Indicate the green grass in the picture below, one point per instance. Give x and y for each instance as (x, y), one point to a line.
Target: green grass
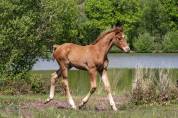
(10, 108)
(141, 112)
(120, 79)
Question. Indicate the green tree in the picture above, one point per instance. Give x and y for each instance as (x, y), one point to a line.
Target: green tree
(170, 43)
(171, 9)
(29, 28)
(61, 20)
(158, 18)
(100, 17)
(129, 13)
(20, 45)
(154, 19)
(144, 43)
(103, 14)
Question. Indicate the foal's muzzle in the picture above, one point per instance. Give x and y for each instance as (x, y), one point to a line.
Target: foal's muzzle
(126, 49)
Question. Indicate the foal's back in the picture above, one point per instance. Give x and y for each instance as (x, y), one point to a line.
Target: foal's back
(76, 55)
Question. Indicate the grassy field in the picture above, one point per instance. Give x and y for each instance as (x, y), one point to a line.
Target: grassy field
(11, 107)
(121, 80)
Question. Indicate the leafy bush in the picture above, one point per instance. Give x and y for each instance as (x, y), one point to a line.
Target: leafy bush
(22, 83)
(27, 83)
(152, 86)
(144, 43)
(170, 43)
(17, 84)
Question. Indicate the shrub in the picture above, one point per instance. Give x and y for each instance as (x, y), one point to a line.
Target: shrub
(170, 43)
(27, 83)
(144, 43)
(18, 84)
(22, 83)
(151, 86)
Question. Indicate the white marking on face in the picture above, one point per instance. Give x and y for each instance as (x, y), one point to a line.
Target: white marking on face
(123, 36)
(126, 49)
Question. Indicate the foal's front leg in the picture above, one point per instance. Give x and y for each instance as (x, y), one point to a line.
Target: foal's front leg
(54, 77)
(104, 77)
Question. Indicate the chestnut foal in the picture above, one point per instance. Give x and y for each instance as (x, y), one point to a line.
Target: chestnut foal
(92, 58)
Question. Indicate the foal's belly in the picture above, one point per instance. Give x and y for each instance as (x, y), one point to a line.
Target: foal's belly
(79, 64)
(79, 67)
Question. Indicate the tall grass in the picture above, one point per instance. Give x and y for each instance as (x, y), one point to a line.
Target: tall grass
(150, 86)
(120, 81)
(39, 82)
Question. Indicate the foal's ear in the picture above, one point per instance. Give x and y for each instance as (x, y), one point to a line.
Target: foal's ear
(118, 30)
(118, 24)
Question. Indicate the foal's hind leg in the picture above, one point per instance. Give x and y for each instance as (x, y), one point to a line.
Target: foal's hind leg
(105, 80)
(54, 77)
(92, 75)
(66, 87)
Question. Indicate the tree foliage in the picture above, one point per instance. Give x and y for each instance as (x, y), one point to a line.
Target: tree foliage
(170, 43)
(154, 20)
(29, 28)
(19, 45)
(60, 20)
(144, 43)
(103, 14)
(157, 17)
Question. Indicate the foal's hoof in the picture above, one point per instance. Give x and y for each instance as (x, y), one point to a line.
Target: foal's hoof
(74, 107)
(81, 105)
(48, 100)
(114, 108)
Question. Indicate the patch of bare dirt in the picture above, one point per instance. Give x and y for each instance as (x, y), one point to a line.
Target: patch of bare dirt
(40, 105)
(103, 103)
(95, 103)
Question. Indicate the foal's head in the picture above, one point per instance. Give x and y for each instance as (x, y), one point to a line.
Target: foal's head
(119, 39)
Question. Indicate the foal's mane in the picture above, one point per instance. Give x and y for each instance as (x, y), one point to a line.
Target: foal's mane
(103, 34)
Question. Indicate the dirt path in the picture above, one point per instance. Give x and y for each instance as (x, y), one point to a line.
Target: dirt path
(100, 103)
(94, 104)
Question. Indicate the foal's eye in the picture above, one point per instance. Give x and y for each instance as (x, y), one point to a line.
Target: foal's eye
(119, 39)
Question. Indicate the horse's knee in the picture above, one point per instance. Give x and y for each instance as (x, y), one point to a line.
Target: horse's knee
(64, 85)
(54, 76)
(64, 73)
(53, 81)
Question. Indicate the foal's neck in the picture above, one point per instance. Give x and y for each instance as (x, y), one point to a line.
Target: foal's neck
(105, 44)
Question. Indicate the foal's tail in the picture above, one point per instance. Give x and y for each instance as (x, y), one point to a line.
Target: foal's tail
(54, 48)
